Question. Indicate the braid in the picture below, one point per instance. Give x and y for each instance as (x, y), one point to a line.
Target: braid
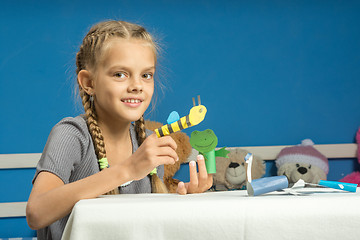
(94, 129)
(157, 186)
(140, 130)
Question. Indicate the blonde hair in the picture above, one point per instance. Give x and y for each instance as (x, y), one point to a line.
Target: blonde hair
(87, 58)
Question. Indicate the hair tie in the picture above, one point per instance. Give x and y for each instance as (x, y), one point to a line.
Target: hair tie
(154, 171)
(103, 163)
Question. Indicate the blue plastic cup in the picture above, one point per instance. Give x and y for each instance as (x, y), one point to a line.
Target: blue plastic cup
(266, 185)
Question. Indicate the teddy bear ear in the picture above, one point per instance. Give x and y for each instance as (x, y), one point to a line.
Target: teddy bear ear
(258, 167)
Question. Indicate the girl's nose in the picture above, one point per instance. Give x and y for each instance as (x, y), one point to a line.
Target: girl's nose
(135, 85)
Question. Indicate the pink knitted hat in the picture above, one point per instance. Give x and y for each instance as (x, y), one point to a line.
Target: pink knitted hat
(303, 153)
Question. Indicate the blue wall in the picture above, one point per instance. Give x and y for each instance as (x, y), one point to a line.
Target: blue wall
(269, 72)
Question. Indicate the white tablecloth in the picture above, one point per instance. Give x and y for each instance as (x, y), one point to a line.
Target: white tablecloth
(318, 214)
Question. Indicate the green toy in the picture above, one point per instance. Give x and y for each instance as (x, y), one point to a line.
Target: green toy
(205, 142)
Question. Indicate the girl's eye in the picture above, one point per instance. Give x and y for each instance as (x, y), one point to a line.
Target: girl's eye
(120, 75)
(148, 76)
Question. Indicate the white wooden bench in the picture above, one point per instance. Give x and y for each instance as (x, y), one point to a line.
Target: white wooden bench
(16, 161)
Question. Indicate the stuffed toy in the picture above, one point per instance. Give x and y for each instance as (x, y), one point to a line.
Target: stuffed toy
(183, 151)
(231, 172)
(355, 176)
(302, 162)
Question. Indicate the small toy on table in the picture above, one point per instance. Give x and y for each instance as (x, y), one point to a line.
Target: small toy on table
(231, 172)
(263, 185)
(205, 142)
(350, 187)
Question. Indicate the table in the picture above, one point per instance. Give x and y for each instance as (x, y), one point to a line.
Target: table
(317, 214)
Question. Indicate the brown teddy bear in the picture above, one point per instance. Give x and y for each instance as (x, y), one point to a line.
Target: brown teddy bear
(302, 162)
(183, 151)
(231, 172)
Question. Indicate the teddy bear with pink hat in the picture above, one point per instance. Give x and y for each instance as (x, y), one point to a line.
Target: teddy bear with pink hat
(302, 162)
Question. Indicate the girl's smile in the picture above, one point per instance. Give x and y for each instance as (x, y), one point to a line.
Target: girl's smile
(132, 102)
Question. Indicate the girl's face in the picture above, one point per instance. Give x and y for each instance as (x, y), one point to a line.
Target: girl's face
(124, 81)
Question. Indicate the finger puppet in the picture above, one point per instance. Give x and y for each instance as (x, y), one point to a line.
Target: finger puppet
(231, 172)
(183, 151)
(175, 123)
(205, 142)
(302, 162)
(355, 176)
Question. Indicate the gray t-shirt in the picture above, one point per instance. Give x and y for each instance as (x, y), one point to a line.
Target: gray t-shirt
(69, 154)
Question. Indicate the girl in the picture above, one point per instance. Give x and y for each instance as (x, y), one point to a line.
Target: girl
(103, 151)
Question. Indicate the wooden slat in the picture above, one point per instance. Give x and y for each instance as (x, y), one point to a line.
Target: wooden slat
(347, 150)
(329, 150)
(28, 160)
(338, 150)
(13, 209)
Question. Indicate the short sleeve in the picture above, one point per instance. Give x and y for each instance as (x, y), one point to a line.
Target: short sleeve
(65, 148)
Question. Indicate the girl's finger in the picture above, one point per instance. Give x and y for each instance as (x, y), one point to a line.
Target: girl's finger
(209, 182)
(161, 160)
(167, 151)
(193, 185)
(153, 139)
(181, 188)
(167, 141)
(203, 175)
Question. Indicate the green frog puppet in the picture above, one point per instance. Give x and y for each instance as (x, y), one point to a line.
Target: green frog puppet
(205, 142)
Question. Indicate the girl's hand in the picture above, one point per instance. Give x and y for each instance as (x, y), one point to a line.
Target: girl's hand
(154, 151)
(199, 182)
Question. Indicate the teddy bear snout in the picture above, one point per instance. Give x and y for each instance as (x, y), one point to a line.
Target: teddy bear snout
(302, 170)
(233, 165)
